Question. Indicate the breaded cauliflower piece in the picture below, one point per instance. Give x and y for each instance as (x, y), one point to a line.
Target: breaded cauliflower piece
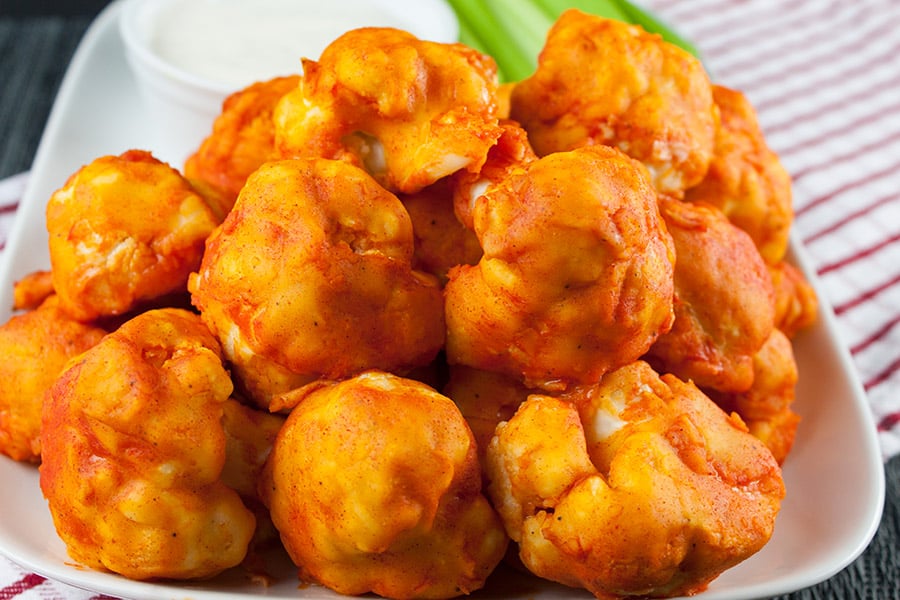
(124, 230)
(31, 291)
(576, 277)
(796, 302)
(249, 436)
(637, 486)
(133, 451)
(310, 276)
(441, 240)
(408, 111)
(512, 152)
(504, 92)
(746, 179)
(375, 487)
(242, 139)
(34, 348)
(602, 81)
(485, 399)
(766, 407)
(724, 300)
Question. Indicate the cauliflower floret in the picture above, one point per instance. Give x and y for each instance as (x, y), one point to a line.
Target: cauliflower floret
(124, 230)
(724, 300)
(242, 139)
(767, 406)
(576, 277)
(310, 276)
(34, 348)
(408, 111)
(637, 486)
(31, 291)
(375, 486)
(746, 179)
(602, 81)
(796, 303)
(133, 452)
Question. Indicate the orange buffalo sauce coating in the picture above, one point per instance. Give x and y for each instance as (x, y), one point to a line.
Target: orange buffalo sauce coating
(637, 486)
(576, 277)
(34, 348)
(311, 276)
(724, 300)
(375, 486)
(602, 81)
(241, 140)
(124, 230)
(133, 452)
(406, 110)
(746, 179)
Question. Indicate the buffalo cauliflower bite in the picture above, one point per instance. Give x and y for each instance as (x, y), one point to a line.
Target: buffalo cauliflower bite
(724, 300)
(249, 436)
(34, 348)
(636, 486)
(485, 399)
(576, 277)
(31, 291)
(310, 276)
(766, 407)
(746, 179)
(441, 240)
(133, 452)
(375, 486)
(409, 111)
(124, 230)
(602, 81)
(512, 152)
(242, 139)
(796, 302)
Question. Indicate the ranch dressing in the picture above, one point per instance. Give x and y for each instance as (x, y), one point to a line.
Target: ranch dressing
(238, 42)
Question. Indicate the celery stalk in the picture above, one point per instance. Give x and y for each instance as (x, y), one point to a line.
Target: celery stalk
(523, 24)
(467, 35)
(488, 37)
(603, 8)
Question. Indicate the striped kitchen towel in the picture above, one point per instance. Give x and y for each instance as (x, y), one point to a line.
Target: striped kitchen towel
(824, 77)
(11, 190)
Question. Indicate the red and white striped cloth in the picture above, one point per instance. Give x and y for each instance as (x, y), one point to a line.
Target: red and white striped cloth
(11, 190)
(824, 76)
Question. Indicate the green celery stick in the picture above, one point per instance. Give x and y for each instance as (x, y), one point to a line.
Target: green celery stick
(466, 34)
(603, 8)
(525, 26)
(488, 37)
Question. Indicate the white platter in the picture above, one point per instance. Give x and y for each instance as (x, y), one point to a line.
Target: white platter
(834, 476)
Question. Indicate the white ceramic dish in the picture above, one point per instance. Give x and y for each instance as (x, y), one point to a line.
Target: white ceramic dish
(835, 477)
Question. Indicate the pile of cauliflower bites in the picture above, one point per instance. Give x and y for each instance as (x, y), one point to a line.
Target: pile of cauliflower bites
(410, 324)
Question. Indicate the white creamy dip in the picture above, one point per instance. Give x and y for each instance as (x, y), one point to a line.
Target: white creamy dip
(238, 42)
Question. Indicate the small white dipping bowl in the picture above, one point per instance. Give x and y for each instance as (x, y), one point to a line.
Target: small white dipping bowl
(189, 55)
